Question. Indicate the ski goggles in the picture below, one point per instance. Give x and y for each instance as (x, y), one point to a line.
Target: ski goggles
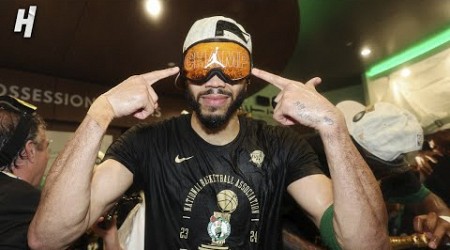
(228, 60)
(19, 136)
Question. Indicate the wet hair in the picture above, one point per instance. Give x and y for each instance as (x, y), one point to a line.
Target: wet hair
(8, 124)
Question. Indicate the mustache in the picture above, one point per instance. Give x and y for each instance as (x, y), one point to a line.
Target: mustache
(215, 91)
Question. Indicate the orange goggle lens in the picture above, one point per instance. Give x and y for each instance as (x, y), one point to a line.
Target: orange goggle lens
(227, 58)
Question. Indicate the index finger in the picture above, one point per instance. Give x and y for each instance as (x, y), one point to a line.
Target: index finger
(154, 76)
(278, 81)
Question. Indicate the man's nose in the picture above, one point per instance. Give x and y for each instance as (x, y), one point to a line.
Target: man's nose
(215, 82)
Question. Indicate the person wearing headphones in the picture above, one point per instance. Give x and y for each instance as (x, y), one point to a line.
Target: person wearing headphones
(23, 159)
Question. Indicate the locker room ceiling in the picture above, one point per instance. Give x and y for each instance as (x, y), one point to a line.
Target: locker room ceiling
(105, 41)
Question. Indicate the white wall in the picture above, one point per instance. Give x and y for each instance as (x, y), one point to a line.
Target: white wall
(425, 91)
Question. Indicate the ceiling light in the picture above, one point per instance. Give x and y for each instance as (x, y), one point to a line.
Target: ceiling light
(405, 72)
(365, 52)
(153, 7)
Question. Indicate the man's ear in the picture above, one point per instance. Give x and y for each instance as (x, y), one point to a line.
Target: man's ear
(29, 150)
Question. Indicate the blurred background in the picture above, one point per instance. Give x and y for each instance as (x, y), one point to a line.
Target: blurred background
(366, 50)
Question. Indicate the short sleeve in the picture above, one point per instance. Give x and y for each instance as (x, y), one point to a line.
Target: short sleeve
(302, 160)
(127, 149)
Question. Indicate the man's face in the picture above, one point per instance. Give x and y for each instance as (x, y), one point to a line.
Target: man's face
(215, 101)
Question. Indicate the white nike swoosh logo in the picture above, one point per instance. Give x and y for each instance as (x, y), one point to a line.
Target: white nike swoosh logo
(180, 160)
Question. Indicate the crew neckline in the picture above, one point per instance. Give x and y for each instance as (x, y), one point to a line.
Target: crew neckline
(198, 140)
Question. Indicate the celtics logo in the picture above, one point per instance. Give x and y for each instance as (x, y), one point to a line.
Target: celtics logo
(219, 227)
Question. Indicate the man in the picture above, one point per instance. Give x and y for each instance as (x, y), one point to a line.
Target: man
(213, 180)
(23, 158)
(386, 135)
(433, 163)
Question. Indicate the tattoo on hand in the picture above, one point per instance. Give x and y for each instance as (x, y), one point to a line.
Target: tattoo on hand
(300, 108)
(301, 112)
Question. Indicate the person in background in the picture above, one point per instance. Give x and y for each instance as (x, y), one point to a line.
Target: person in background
(109, 236)
(386, 135)
(213, 179)
(131, 231)
(24, 154)
(122, 227)
(23, 159)
(433, 163)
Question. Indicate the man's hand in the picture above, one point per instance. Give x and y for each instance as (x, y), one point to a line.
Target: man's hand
(425, 160)
(434, 227)
(298, 102)
(134, 96)
(110, 236)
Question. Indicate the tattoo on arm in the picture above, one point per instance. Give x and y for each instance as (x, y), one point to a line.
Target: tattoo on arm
(328, 120)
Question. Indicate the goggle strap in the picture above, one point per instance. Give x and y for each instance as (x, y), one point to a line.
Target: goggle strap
(16, 105)
(16, 142)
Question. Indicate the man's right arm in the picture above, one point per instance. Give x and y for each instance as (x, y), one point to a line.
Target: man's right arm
(70, 202)
(75, 195)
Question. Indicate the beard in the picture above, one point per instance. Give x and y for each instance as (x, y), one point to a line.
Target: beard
(215, 121)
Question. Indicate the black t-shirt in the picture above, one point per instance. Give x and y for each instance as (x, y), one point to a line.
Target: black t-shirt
(200, 195)
(18, 203)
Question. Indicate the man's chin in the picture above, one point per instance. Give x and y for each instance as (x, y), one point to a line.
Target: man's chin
(214, 110)
(213, 122)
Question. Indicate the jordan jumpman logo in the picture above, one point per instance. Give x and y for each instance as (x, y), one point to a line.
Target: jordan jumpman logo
(213, 59)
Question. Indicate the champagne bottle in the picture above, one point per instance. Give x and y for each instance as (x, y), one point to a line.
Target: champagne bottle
(408, 241)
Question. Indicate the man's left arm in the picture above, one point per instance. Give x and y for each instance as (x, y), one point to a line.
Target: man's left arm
(360, 214)
(359, 218)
